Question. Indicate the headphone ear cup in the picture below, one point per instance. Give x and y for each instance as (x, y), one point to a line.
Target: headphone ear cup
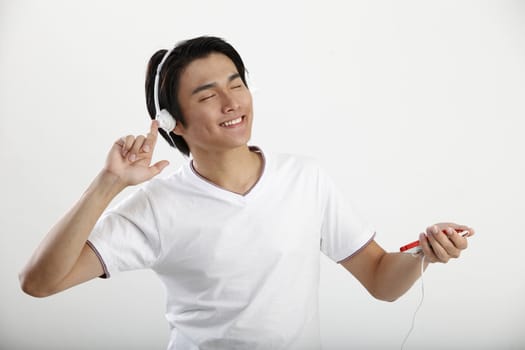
(166, 120)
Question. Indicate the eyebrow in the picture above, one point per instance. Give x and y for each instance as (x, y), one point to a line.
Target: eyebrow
(212, 85)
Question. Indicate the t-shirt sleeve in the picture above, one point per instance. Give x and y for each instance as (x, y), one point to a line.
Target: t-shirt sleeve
(126, 237)
(343, 232)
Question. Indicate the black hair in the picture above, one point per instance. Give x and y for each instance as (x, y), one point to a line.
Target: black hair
(183, 54)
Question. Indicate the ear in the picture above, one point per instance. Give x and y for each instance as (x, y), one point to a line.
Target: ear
(179, 129)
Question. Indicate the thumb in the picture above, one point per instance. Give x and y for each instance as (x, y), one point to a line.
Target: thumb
(156, 168)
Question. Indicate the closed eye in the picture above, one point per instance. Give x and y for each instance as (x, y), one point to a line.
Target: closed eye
(206, 97)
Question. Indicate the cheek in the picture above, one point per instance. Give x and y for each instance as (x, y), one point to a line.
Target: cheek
(199, 113)
(247, 99)
(201, 121)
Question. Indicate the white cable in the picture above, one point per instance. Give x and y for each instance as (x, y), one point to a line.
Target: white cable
(420, 302)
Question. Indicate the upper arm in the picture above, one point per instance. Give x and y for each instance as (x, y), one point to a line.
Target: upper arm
(88, 266)
(363, 265)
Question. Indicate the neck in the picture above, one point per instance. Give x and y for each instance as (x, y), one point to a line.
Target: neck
(236, 170)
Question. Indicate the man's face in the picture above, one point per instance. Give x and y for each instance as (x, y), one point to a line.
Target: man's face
(216, 105)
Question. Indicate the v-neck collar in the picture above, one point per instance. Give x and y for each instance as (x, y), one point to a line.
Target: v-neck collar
(221, 192)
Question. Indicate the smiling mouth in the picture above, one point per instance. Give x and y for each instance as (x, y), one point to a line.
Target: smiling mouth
(232, 122)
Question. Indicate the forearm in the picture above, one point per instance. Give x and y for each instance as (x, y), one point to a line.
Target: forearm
(58, 252)
(395, 274)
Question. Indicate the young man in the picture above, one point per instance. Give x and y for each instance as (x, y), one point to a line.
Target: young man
(235, 233)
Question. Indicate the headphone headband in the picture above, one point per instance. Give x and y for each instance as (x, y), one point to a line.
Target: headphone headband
(157, 83)
(165, 119)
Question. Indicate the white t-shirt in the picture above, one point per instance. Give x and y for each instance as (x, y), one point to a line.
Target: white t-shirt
(241, 271)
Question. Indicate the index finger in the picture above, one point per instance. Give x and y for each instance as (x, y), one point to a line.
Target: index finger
(462, 228)
(151, 137)
(428, 252)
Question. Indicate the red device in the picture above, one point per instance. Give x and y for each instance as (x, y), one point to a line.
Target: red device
(414, 248)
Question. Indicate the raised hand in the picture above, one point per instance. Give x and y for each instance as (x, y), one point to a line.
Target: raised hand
(130, 158)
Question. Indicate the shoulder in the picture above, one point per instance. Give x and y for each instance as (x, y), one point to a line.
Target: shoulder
(296, 170)
(157, 190)
(294, 162)
(164, 183)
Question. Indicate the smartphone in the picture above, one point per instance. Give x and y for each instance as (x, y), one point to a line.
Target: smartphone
(415, 248)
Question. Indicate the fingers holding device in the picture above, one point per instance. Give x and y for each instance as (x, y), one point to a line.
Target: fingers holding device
(415, 247)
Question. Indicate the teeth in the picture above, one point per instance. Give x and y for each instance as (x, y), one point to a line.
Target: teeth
(232, 122)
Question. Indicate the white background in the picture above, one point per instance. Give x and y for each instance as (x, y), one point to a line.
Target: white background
(416, 108)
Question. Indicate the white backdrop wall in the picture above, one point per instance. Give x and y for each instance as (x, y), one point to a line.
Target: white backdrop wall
(416, 108)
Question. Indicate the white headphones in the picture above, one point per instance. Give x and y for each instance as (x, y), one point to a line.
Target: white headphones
(165, 119)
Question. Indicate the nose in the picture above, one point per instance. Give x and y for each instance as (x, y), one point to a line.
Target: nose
(229, 102)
